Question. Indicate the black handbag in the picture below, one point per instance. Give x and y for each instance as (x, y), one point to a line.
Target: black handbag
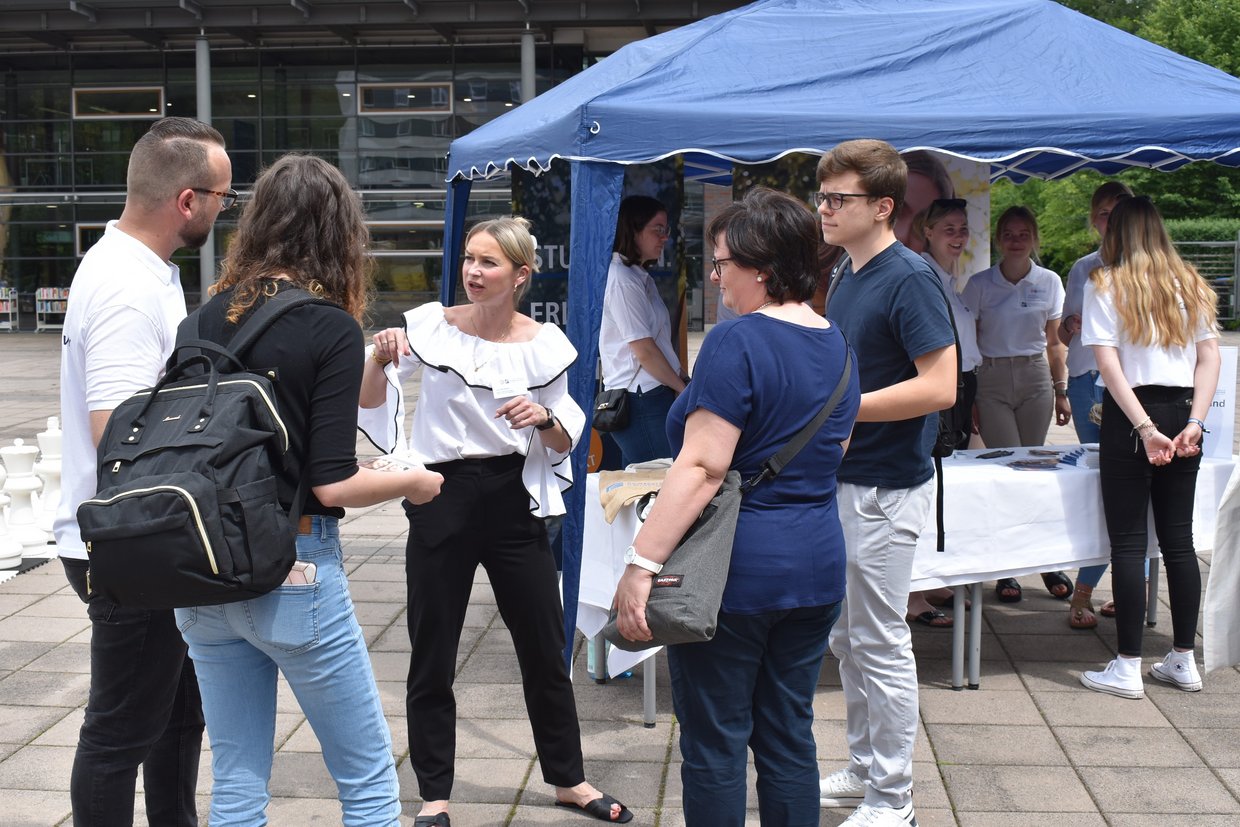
(686, 594)
(611, 410)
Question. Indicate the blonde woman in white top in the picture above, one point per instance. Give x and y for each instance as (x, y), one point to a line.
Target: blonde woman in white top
(1023, 380)
(495, 418)
(1150, 319)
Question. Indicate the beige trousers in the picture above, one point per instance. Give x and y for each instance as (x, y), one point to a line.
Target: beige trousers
(1015, 400)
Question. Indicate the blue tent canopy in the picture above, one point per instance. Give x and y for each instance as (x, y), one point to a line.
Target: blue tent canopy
(1028, 86)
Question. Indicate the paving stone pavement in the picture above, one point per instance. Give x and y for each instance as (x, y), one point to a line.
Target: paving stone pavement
(1031, 747)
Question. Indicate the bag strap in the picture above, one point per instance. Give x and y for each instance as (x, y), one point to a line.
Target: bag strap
(776, 463)
(940, 534)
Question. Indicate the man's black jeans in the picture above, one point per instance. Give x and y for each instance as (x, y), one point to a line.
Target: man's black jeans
(143, 709)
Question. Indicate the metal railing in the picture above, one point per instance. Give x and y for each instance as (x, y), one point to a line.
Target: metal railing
(1219, 263)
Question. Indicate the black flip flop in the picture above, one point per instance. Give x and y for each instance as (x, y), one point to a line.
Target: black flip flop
(600, 808)
(1008, 584)
(440, 820)
(934, 618)
(1057, 579)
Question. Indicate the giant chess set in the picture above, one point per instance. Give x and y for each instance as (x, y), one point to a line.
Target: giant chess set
(29, 497)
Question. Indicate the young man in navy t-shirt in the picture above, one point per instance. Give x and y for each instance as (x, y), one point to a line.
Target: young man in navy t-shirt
(890, 308)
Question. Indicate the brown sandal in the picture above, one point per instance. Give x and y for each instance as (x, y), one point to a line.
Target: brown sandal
(1081, 608)
(1108, 609)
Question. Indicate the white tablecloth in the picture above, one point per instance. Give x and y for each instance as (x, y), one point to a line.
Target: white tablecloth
(999, 521)
(1004, 522)
(602, 563)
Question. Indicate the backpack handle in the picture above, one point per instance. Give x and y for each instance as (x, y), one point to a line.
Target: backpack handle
(138, 424)
(202, 344)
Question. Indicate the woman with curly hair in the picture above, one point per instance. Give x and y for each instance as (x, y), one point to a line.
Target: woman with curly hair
(304, 228)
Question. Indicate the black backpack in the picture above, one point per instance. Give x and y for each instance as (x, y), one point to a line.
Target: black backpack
(187, 512)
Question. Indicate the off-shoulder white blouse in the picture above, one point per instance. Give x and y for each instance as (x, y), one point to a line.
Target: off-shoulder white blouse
(466, 380)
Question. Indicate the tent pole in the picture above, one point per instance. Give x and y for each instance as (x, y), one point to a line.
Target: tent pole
(596, 190)
(453, 234)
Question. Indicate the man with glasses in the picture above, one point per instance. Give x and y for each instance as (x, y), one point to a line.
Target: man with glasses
(888, 304)
(124, 307)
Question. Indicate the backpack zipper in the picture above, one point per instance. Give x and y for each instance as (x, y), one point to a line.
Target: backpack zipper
(185, 495)
(271, 408)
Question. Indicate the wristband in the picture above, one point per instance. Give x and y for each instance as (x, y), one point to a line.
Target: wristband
(1200, 424)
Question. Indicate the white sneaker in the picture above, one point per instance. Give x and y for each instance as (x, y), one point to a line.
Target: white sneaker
(1178, 669)
(842, 788)
(868, 815)
(1122, 677)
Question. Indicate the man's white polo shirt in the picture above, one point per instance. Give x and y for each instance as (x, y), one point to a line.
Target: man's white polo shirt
(124, 307)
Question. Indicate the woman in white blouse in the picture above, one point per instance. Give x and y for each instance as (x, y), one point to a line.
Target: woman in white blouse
(635, 338)
(1150, 319)
(1023, 380)
(495, 419)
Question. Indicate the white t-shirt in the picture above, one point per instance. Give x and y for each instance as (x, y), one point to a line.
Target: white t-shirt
(1080, 357)
(124, 307)
(632, 310)
(1012, 318)
(1152, 364)
(470, 378)
(966, 323)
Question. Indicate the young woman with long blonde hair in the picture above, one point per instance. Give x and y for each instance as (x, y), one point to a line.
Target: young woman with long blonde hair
(1150, 319)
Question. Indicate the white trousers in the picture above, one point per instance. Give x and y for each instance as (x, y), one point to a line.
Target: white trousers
(872, 638)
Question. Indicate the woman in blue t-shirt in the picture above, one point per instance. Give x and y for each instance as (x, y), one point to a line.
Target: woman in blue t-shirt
(760, 379)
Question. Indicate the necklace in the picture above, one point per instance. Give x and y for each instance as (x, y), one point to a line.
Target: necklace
(488, 354)
(764, 304)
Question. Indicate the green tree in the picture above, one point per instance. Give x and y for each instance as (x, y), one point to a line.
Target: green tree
(1205, 30)
(1122, 14)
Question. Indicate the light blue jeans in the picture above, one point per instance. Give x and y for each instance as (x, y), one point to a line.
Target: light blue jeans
(309, 633)
(872, 640)
(1083, 394)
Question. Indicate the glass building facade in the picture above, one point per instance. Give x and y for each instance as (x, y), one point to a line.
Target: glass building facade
(384, 115)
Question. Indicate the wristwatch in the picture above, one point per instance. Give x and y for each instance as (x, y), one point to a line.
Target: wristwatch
(632, 558)
(548, 425)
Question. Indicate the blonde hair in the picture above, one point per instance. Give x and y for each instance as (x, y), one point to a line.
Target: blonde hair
(512, 234)
(1148, 280)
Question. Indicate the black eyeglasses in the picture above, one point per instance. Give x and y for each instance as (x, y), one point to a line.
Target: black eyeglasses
(835, 200)
(227, 199)
(717, 265)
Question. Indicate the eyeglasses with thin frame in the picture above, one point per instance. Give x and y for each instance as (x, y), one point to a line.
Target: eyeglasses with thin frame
(717, 265)
(835, 200)
(661, 230)
(227, 199)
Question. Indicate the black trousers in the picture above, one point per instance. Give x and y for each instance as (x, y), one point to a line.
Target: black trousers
(143, 709)
(482, 516)
(1131, 488)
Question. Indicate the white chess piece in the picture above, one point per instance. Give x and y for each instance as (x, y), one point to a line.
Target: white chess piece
(10, 549)
(48, 470)
(21, 486)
